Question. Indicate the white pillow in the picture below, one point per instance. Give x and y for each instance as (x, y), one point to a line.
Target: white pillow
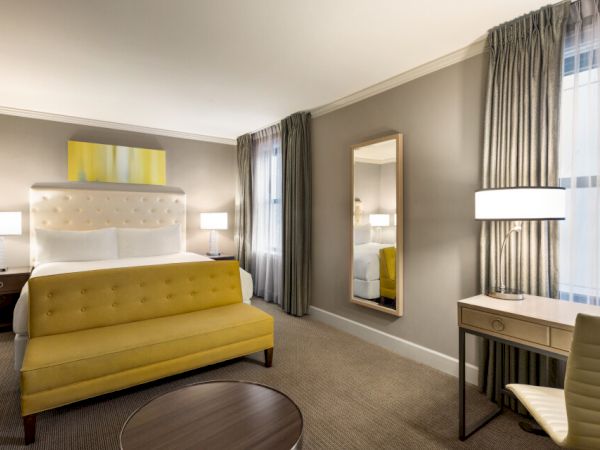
(362, 234)
(59, 245)
(135, 242)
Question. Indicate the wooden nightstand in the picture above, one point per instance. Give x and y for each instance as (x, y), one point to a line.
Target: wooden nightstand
(222, 257)
(11, 283)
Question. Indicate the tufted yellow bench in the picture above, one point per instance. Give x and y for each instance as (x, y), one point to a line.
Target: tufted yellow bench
(100, 331)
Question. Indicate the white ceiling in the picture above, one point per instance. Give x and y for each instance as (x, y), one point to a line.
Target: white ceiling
(379, 153)
(221, 67)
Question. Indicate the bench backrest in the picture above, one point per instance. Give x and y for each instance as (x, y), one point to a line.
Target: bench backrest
(78, 301)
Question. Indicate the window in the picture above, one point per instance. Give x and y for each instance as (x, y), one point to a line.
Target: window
(579, 165)
(267, 214)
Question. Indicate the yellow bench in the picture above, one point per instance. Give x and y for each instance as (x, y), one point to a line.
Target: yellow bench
(96, 332)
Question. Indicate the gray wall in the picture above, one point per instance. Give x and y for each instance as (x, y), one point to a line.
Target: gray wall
(36, 150)
(367, 187)
(441, 117)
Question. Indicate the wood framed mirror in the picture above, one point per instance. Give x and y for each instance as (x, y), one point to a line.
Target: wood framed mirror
(376, 269)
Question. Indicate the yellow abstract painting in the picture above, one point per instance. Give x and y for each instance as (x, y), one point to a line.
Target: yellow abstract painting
(115, 164)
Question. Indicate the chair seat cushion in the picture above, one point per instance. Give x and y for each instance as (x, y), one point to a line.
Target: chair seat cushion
(63, 359)
(547, 406)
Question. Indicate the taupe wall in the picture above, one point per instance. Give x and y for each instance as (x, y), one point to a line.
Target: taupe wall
(36, 150)
(441, 117)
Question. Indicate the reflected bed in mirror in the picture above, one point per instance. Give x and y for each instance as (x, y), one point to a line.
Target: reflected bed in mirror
(377, 200)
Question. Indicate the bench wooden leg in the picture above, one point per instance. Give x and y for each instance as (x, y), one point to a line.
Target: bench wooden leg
(269, 357)
(29, 428)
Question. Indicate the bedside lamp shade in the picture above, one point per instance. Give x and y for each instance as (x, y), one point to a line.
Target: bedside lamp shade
(10, 223)
(379, 220)
(547, 203)
(213, 221)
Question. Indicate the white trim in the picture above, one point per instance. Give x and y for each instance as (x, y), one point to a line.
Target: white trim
(462, 54)
(402, 347)
(114, 125)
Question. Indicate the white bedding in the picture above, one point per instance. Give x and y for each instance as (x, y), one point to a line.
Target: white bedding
(366, 261)
(21, 314)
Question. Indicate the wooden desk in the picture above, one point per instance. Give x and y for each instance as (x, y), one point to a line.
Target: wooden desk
(537, 324)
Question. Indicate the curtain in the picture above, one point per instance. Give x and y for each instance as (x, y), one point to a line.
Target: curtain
(579, 156)
(244, 201)
(295, 139)
(266, 259)
(521, 149)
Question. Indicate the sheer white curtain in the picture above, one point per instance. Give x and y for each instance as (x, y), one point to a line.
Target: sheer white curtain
(267, 214)
(579, 156)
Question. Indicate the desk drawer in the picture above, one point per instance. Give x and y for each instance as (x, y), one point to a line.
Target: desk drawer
(508, 326)
(561, 339)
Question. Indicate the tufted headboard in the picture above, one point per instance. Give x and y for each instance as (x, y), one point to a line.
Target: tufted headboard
(88, 206)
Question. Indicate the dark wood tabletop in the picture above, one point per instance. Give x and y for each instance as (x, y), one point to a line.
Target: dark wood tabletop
(215, 415)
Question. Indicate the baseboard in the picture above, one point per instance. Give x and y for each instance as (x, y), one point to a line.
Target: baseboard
(402, 347)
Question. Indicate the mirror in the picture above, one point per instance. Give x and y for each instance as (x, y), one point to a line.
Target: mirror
(377, 203)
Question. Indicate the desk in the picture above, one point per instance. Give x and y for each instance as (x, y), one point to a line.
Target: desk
(537, 324)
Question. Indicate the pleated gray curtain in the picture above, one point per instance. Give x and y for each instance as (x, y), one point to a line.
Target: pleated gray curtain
(297, 207)
(244, 205)
(521, 149)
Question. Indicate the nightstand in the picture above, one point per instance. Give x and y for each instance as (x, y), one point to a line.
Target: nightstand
(11, 283)
(222, 257)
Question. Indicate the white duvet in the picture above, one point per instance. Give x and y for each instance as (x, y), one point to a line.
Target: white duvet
(366, 261)
(21, 313)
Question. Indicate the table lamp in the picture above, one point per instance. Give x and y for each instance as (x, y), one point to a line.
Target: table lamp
(517, 204)
(10, 225)
(213, 221)
(378, 221)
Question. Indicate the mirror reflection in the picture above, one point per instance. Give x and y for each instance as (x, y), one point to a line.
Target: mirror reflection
(374, 273)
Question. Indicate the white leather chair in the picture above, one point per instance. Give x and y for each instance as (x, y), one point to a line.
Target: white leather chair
(571, 417)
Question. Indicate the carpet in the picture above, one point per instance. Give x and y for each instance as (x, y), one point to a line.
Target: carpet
(352, 394)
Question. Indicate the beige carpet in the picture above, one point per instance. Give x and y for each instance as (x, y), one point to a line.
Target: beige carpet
(353, 395)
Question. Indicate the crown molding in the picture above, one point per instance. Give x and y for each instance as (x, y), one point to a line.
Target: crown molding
(113, 125)
(457, 56)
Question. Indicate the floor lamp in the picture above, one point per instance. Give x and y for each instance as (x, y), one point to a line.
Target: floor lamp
(517, 205)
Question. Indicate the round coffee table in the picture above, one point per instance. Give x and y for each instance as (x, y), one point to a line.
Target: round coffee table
(215, 415)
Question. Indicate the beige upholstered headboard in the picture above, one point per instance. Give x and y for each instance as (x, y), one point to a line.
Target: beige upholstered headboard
(88, 206)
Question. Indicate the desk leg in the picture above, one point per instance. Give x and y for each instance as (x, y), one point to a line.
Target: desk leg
(463, 433)
(461, 384)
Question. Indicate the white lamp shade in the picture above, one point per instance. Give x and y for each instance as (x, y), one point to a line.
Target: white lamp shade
(520, 204)
(10, 223)
(379, 220)
(213, 221)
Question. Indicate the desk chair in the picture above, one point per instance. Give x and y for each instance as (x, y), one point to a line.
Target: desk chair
(571, 417)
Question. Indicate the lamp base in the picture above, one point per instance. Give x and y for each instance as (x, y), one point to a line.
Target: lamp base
(506, 294)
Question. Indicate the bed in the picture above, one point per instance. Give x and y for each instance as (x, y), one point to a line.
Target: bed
(99, 206)
(366, 268)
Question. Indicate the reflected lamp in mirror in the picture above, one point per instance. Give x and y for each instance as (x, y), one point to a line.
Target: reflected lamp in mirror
(10, 225)
(516, 205)
(379, 220)
(213, 221)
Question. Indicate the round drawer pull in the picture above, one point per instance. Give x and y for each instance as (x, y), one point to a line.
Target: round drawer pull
(497, 325)
(1, 284)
